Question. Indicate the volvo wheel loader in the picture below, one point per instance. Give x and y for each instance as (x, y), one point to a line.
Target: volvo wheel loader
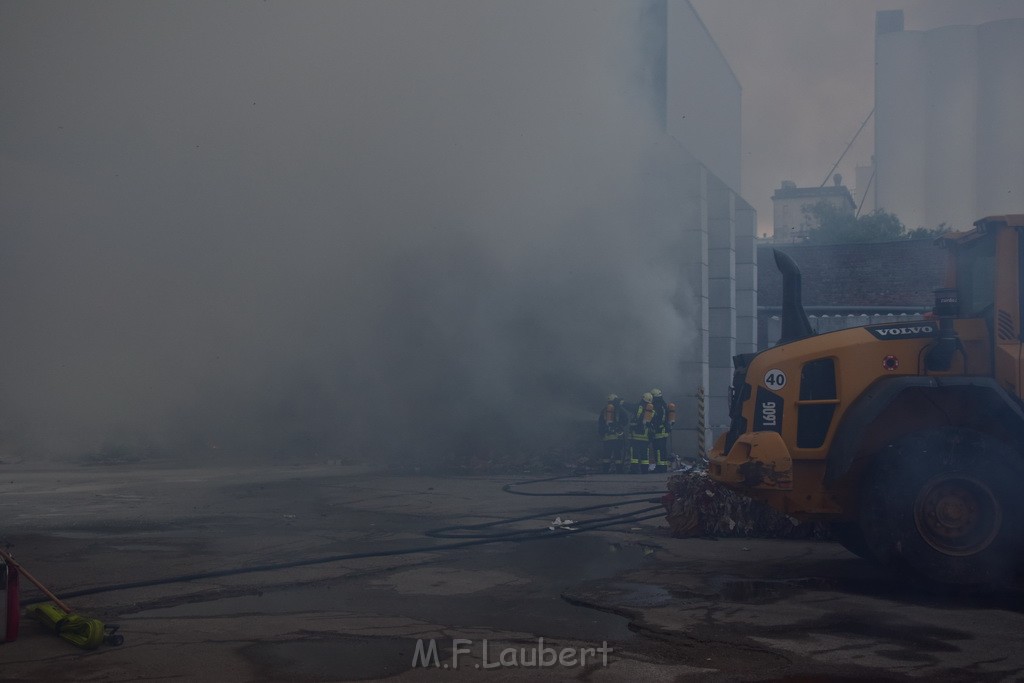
(907, 437)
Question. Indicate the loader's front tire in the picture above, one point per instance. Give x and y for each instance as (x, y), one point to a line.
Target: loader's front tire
(945, 505)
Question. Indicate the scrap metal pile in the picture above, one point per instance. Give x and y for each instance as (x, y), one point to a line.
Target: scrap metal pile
(696, 506)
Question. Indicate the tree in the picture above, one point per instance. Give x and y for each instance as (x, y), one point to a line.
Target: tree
(830, 224)
(921, 233)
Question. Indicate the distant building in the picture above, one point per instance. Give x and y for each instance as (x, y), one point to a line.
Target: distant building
(949, 144)
(791, 203)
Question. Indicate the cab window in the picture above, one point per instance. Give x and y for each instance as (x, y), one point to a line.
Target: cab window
(975, 278)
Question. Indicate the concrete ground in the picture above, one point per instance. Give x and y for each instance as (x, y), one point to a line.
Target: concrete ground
(628, 600)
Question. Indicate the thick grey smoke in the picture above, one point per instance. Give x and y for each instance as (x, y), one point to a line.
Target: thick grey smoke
(297, 228)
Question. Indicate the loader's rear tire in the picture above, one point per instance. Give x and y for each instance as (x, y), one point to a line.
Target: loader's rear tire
(945, 506)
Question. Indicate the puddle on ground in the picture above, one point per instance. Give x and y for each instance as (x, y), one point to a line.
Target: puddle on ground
(763, 591)
(533, 605)
(753, 591)
(640, 595)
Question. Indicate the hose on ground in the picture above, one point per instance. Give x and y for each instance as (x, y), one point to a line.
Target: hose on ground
(471, 540)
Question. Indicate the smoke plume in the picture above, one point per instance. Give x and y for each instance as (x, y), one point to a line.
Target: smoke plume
(321, 228)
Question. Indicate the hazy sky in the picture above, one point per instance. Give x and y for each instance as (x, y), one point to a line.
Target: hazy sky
(807, 72)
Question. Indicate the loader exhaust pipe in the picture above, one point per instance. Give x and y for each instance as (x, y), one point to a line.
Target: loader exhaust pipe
(795, 324)
(947, 307)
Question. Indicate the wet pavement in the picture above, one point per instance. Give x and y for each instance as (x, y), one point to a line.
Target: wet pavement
(331, 572)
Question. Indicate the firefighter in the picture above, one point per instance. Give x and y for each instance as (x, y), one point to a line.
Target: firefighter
(612, 423)
(640, 434)
(661, 428)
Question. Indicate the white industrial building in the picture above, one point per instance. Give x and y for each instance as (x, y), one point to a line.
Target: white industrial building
(718, 254)
(949, 144)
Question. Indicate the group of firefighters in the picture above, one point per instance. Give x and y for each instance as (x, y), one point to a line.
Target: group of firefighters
(635, 438)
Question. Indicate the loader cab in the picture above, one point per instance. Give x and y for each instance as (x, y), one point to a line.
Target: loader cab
(986, 274)
(975, 276)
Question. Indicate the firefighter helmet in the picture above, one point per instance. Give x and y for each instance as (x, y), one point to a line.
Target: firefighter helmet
(647, 398)
(612, 397)
(656, 393)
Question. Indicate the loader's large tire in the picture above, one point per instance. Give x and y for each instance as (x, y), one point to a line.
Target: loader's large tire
(945, 505)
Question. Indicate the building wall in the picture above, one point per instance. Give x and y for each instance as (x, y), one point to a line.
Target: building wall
(1000, 135)
(722, 301)
(746, 277)
(786, 218)
(717, 254)
(952, 119)
(694, 261)
(949, 147)
(719, 260)
(703, 95)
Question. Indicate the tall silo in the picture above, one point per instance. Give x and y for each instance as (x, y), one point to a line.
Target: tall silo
(949, 147)
(901, 113)
(1000, 160)
(951, 87)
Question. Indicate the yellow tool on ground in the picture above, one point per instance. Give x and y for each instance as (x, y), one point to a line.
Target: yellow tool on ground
(82, 631)
(78, 630)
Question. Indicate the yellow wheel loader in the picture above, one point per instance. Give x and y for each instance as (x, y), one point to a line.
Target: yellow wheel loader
(907, 437)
